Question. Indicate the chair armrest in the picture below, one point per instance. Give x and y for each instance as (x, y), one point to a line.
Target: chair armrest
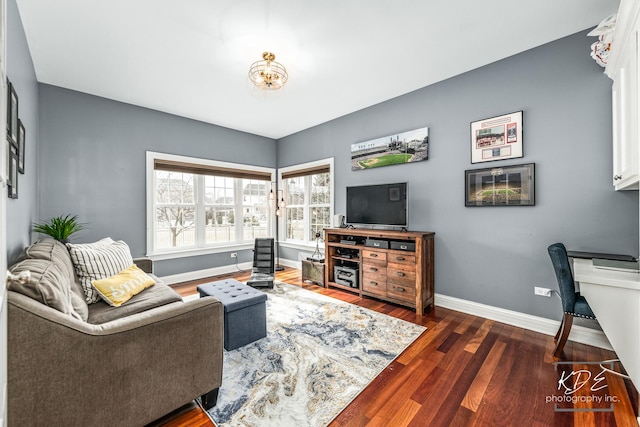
(160, 359)
(144, 264)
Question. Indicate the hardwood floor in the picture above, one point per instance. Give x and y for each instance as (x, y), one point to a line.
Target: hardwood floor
(466, 371)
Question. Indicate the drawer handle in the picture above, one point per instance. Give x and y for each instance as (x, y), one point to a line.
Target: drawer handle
(400, 273)
(617, 177)
(373, 269)
(373, 255)
(400, 289)
(374, 283)
(400, 258)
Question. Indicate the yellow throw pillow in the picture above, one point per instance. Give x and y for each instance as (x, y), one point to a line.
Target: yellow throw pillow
(118, 289)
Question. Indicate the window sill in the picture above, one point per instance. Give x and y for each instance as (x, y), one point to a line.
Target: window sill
(161, 256)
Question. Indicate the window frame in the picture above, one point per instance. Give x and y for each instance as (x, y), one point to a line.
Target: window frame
(200, 248)
(282, 237)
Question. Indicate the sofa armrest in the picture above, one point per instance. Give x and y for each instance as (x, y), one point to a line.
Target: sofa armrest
(129, 371)
(144, 264)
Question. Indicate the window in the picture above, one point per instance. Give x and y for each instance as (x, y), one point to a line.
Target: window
(308, 200)
(201, 205)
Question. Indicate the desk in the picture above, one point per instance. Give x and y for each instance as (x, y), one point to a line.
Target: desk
(614, 297)
(598, 255)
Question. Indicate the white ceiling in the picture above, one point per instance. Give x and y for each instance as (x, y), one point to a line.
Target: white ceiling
(191, 58)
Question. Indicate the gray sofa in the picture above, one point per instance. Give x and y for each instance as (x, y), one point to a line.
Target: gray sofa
(73, 364)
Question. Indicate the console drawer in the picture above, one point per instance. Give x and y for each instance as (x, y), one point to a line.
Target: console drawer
(374, 257)
(401, 274)
(375, 284)
(401, 292)
(374, 268)
(402, 259)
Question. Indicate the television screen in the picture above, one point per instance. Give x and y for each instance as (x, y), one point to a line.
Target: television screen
(384, 204)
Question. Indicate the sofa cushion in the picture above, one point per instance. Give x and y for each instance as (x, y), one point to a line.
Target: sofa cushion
(52, 250)
(99, 260)
(47, 284)
(155, 296)
(118, 289)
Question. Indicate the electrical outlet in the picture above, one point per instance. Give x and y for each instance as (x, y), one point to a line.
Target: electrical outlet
(544, 292)
(234, 254)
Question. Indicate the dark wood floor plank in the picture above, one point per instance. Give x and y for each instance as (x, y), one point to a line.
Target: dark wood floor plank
(371, 396)
(476, 391)
(455, 397)
(479, 336)
(398, 410)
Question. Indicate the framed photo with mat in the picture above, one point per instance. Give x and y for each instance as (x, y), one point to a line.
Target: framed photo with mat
(503, 186)
(497, 138)
(13, 172)
(21, 137)
(12, 113)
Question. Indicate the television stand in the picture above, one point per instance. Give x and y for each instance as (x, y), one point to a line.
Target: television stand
(391, 265)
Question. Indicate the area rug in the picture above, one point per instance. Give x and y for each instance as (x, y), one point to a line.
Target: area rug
(319, 354)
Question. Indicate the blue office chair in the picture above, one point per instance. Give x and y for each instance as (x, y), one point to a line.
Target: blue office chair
(573, 304)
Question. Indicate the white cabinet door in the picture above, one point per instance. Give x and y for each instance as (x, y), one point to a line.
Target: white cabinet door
(625, 119)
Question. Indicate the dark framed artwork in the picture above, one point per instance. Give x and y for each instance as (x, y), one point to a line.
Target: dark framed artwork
(13, 173)
(503, 186)
(497, 138)
(21, 137)
(405, 147)
(12, 113)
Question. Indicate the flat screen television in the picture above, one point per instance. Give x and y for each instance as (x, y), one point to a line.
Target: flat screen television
(383, 204)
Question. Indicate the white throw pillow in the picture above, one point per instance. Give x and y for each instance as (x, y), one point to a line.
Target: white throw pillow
(99, 260)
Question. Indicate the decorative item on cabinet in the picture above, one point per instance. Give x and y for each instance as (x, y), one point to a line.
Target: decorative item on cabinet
(601, 48)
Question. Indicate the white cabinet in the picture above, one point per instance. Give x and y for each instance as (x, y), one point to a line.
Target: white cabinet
(625, 120)
(624, 70)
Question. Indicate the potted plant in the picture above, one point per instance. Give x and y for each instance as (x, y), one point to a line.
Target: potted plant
(60, 227)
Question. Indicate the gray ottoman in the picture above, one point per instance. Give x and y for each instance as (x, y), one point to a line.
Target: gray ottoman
(245, 315)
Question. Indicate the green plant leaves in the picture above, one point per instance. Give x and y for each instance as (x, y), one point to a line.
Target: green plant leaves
(60, 227)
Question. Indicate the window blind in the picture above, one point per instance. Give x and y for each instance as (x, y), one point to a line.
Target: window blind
(308, 171)
(201, 169)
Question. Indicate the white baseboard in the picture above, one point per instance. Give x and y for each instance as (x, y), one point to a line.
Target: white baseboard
(208, 272)
(291, 263)
(545, 326)
(217, 271)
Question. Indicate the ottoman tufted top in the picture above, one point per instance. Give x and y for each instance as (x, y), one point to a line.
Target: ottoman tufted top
(232, 294)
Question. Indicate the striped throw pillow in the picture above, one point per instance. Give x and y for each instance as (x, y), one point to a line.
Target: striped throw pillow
(99, 260)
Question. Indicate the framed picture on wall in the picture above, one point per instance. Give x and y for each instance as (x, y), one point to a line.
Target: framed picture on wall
(497, 138)
(12, 113)
(504, 186)
(405, 147)
(21, 136)
(13, 173)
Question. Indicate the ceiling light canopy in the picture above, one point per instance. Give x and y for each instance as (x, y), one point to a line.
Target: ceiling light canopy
(268, 74)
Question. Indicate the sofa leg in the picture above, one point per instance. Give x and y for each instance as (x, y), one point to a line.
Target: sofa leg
(210, 399)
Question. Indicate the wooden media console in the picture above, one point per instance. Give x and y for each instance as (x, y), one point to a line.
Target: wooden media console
(395, 266)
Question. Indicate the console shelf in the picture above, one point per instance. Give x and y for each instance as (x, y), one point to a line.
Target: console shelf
(383, 271)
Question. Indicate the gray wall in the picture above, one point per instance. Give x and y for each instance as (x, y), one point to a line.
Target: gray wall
(496, 255)
(92, 163)
(23, 211)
